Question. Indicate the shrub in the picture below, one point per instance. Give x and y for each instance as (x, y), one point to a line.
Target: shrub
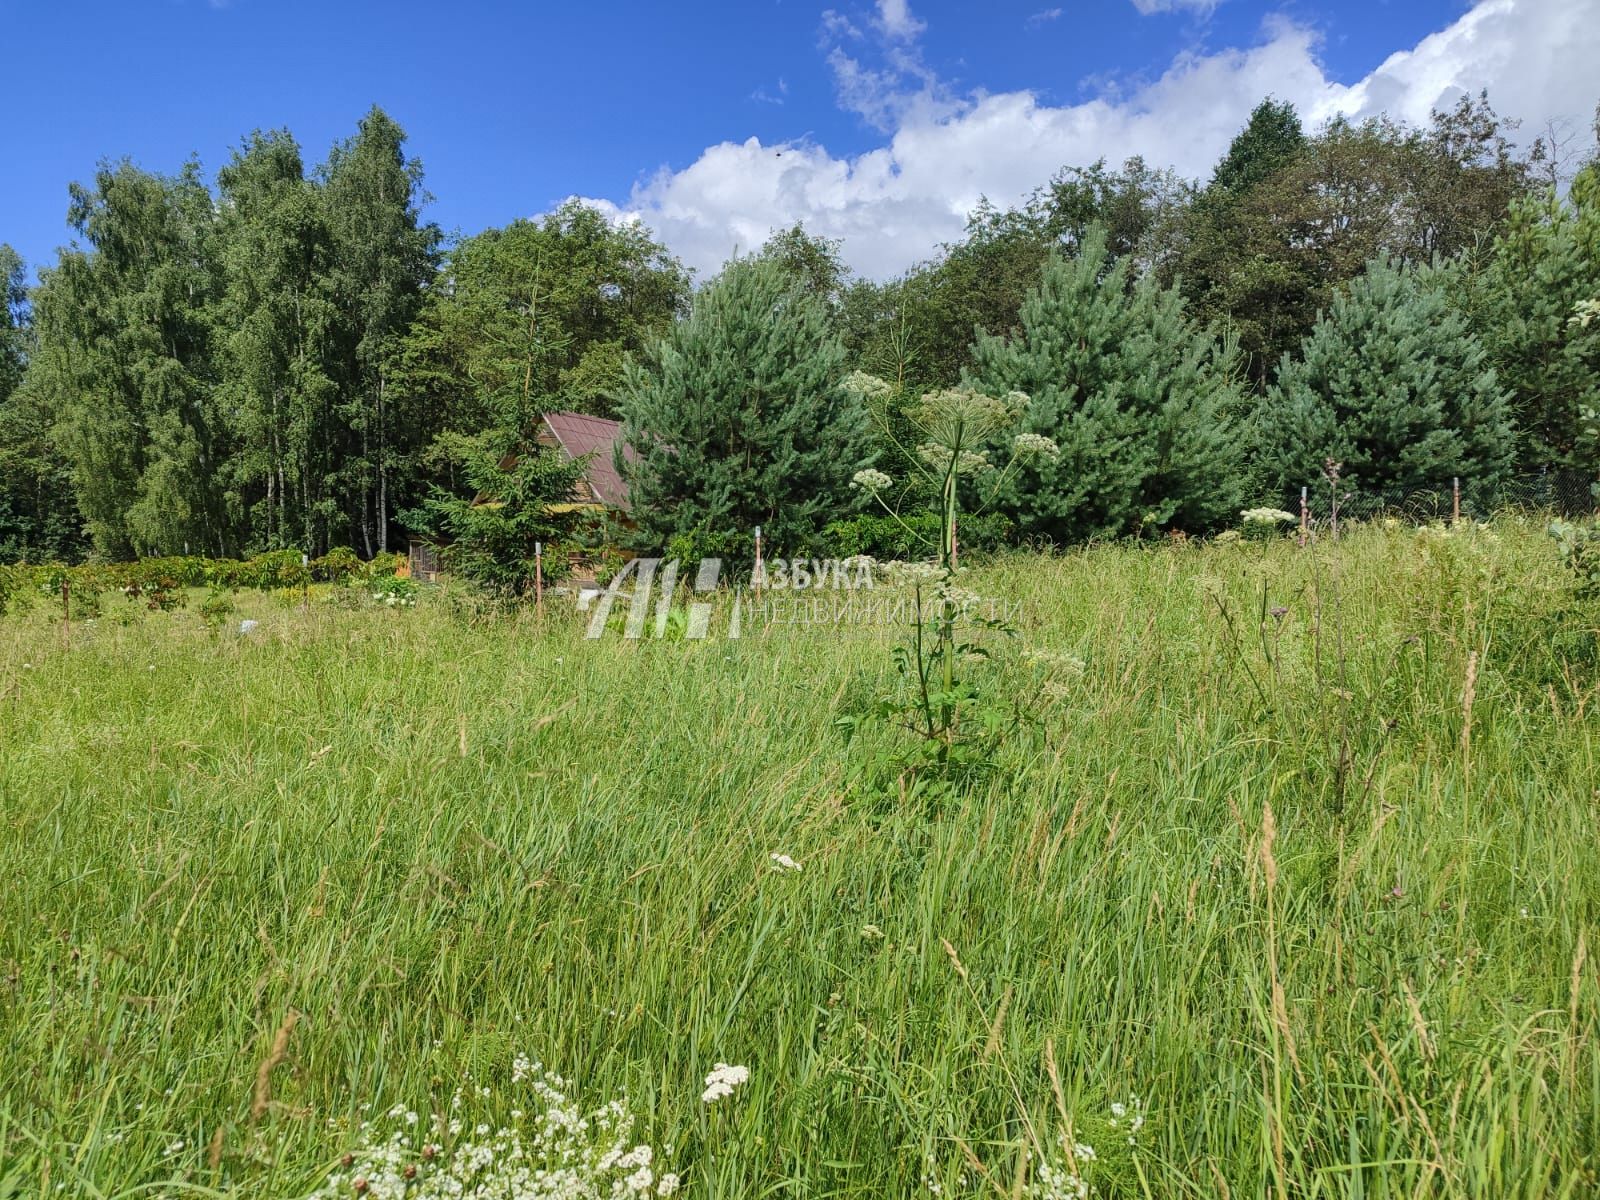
(396, 593)
(1579, 544)
(216, 608)
(338, 565)
(913, 536)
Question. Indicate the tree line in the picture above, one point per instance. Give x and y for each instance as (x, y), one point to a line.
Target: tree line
(293, 358)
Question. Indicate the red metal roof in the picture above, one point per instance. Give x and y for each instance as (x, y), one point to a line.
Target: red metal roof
(578, 434)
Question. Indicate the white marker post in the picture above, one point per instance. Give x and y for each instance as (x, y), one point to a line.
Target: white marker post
(538, 578)
(756, 578)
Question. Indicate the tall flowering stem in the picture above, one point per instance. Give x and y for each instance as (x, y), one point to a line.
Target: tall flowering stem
(957, 425)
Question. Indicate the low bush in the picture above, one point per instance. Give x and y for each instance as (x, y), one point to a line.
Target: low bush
(914, 536)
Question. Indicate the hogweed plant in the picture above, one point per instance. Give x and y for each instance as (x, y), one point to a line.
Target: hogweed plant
(956, 726)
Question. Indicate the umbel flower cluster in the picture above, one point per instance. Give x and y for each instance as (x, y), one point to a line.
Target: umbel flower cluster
(551, 1150)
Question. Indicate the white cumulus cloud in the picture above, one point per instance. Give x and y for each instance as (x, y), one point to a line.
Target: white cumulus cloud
(942, 153)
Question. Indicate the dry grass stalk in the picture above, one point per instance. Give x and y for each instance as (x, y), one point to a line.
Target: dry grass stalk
(274, 1058)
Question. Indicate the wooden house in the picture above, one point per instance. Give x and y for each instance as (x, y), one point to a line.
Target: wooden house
(601, 489)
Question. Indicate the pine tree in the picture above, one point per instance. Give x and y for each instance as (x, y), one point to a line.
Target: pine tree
(1393, 384)
(1141, 400)
(1545, 263)
(738, 418)
(518, 503)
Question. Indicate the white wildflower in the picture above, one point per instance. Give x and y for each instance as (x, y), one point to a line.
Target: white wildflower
(1268, 516)
(871, 480)
(640, 1180)
(868, 387)
(783, 862)
(1034, 445)
(667, 1184)
(912, 572)
(722, 1080)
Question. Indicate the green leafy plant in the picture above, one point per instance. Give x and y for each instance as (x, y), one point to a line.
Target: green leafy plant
(216, 609)
(955, 723)
(395, 593)
(1579, 545)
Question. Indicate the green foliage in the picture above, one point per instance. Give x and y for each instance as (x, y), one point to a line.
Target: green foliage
(342, 564)
(1271, 140)
(1579, 544)
(38, 516)
(917, 332)
(217, 608)
(1288, 219)
(395, 593)
(280, 342)
(521, 499)
(160, 581)
(1528, 301)
(123, 360)
(738, 417)
(912, 535)
(1141, 400)
(216, 371)
(1393, 385)
(958, 719)
(539, 316)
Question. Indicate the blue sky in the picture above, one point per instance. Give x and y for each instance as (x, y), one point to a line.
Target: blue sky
(878, 121)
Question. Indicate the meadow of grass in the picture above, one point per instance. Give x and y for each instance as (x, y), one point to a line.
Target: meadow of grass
(1290, 890)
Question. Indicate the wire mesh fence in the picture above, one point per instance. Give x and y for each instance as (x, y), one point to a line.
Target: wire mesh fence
(1327, 504)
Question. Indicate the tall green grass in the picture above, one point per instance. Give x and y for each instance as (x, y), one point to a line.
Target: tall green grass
(442, 841)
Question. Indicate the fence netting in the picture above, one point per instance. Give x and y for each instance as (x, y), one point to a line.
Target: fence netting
(1559, 493)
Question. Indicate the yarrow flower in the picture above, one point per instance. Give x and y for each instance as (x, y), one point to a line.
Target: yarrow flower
(557, 1150)
(783, 862)
(722, 1080)
(871, 480)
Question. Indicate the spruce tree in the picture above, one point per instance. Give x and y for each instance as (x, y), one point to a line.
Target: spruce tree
(1393, 384)
(1141, 400)
(738, 419)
